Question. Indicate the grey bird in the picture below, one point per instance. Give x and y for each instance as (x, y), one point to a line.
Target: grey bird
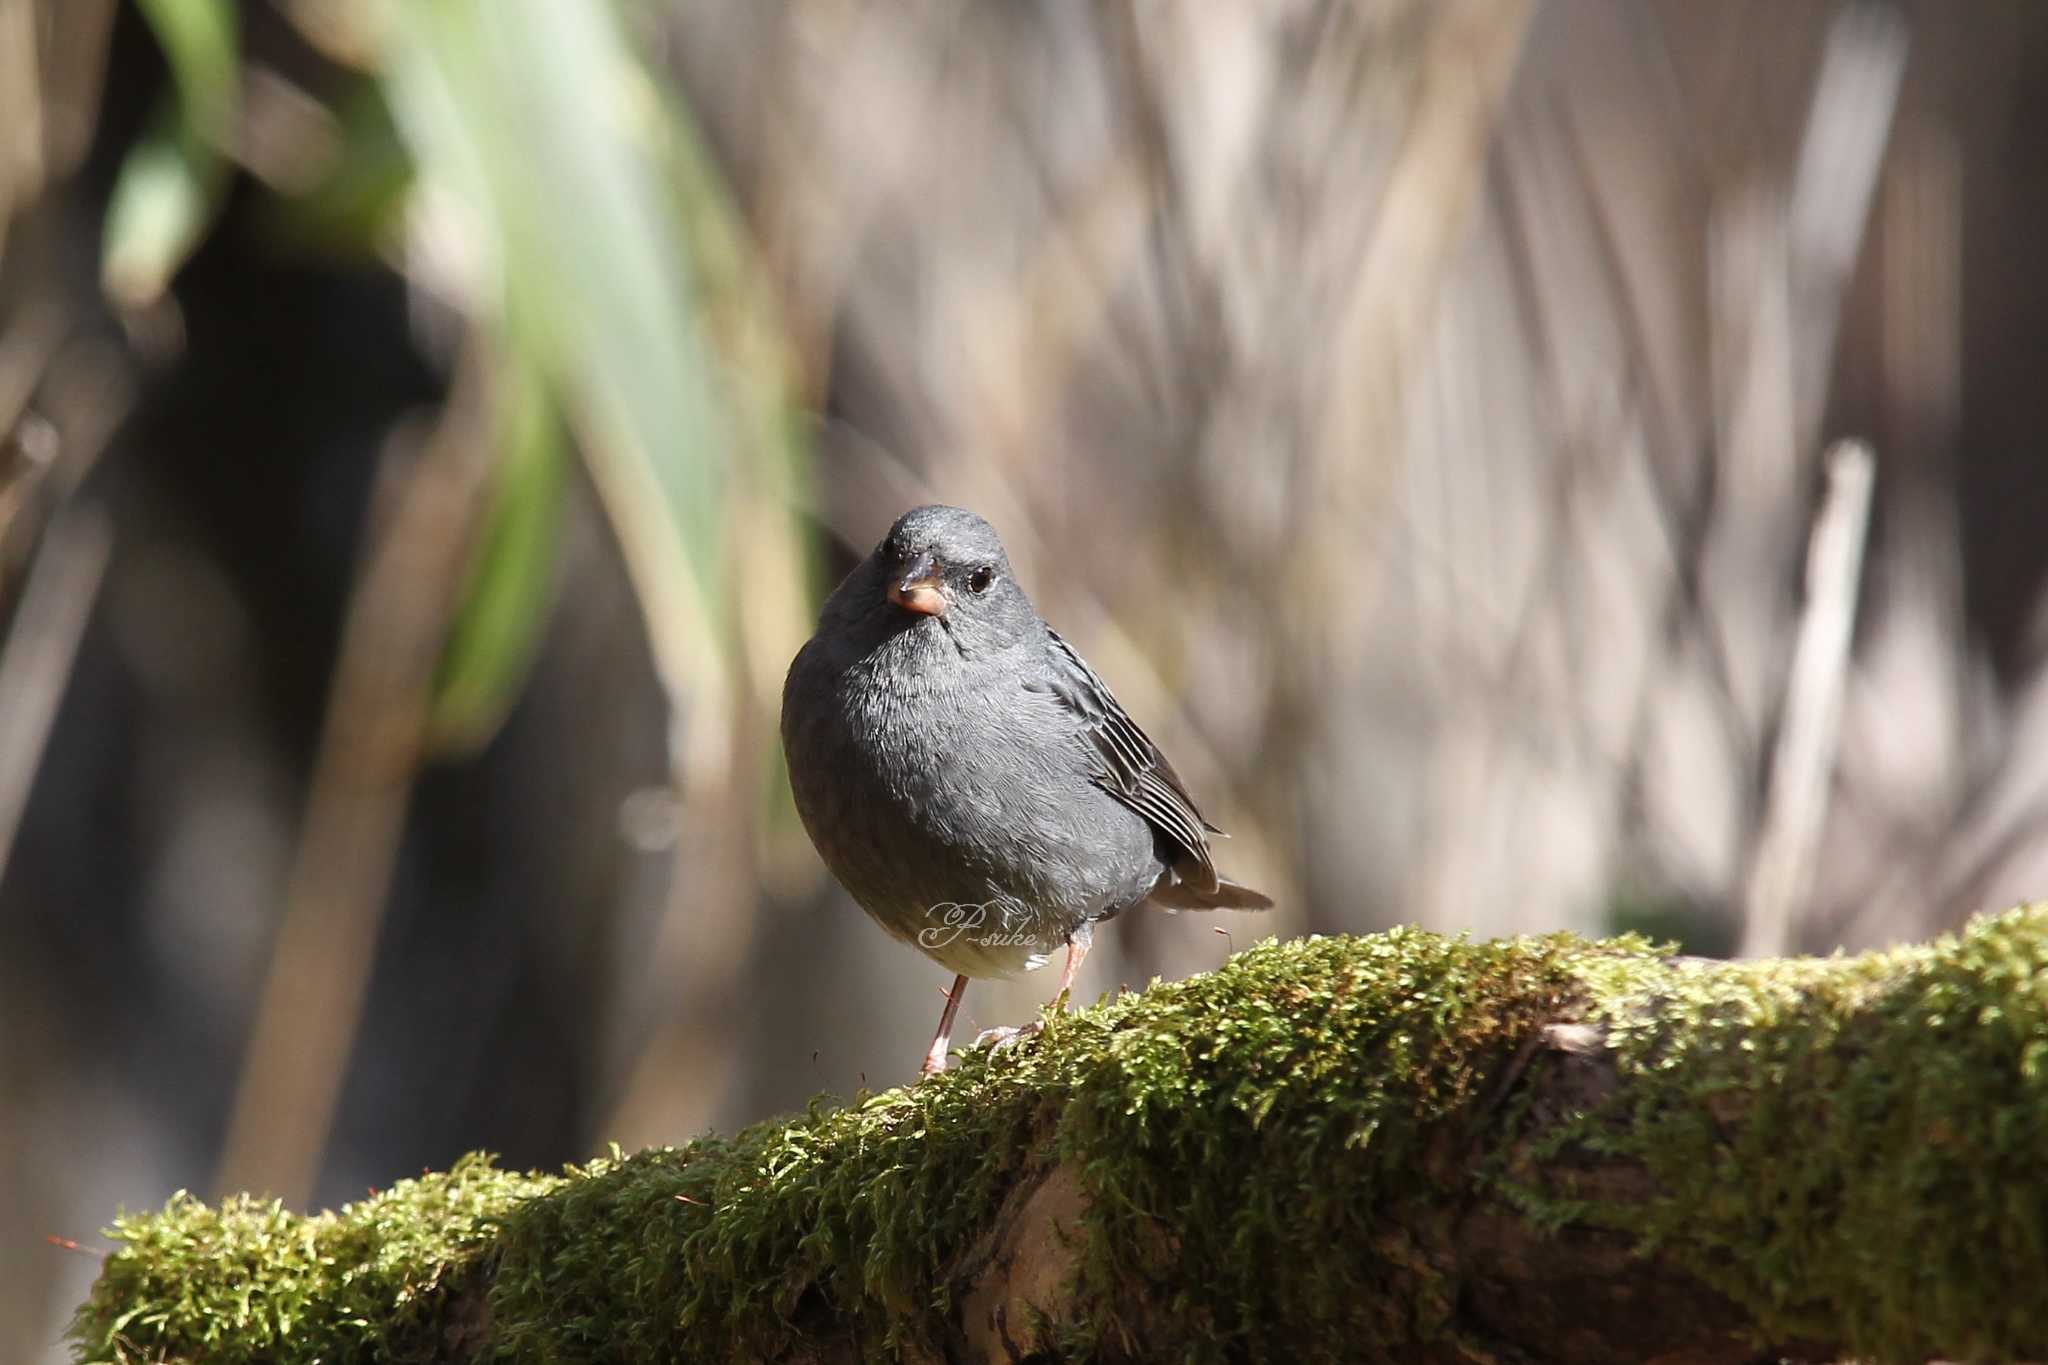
(966, 775)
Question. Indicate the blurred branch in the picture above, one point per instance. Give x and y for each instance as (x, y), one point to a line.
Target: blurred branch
(1855, 98)
(376, 726)
(28, 454)
(41, 643)
(25, 460)
(74, 69)
(1795, 809)
(1463, 72)
(31, 338)
(21, 111)
(1791, 256)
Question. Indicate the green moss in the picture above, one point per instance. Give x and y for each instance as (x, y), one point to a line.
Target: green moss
(729, 1249)
(1277, 1100)
(248, 1281)
(1277, 1116)
(1855, 1149)
(1274, 1156)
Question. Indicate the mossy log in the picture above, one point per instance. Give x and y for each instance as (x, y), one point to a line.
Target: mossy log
(1398, 1147)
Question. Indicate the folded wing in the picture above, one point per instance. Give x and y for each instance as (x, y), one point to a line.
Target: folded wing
(1131, 767)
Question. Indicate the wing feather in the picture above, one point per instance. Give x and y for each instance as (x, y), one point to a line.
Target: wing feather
(1130, 767)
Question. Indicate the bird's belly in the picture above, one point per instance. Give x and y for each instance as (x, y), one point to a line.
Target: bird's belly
(981, 843)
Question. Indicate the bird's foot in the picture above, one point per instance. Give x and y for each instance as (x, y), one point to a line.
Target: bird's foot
(996, 1039)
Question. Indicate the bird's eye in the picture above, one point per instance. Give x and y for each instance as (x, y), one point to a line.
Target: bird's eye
(979, 580)
(892, 548)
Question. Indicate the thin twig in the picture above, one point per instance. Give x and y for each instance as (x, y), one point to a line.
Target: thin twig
(1804, 762)
(36, 660)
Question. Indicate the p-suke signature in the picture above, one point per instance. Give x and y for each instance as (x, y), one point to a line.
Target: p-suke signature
(956, 921)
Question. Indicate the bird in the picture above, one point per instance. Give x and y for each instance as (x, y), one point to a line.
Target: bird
(969, 779)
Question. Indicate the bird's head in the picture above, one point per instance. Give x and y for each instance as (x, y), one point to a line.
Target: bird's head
(945, 566)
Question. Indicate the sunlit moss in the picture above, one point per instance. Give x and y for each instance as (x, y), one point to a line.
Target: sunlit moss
(1276, 1104)
(247, 1281)
(1855, 1149)
(1272, 1155)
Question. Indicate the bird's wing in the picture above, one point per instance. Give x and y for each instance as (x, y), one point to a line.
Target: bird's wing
(1130, 766)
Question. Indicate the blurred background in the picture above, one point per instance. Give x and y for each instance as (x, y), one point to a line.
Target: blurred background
(430, 427)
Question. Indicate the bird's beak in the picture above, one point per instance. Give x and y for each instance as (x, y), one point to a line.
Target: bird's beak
(918, 589)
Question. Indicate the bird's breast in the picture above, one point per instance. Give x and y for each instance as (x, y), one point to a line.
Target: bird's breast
(959, 789)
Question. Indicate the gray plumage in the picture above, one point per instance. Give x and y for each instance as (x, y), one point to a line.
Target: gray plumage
(965, 774)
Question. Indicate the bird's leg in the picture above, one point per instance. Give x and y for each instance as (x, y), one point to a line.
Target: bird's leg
(1077, 948)
(1078, 944)
(935, 1056)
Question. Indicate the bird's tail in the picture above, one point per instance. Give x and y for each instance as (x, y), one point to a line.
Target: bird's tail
(1175, 894)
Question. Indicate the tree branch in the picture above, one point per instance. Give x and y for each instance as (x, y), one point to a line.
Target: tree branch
(1400, 1147)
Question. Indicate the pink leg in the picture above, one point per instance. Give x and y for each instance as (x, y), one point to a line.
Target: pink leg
(1077, 948)
(935, 1056)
